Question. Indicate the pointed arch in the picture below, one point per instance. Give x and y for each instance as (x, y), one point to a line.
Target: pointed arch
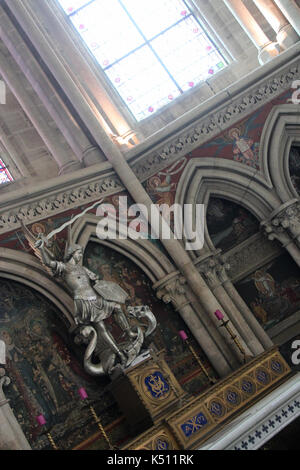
(26, 269)
(206, 177)
(281, 131)
(153, 262)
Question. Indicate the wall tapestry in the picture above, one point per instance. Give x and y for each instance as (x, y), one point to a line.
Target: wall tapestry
(273, 291)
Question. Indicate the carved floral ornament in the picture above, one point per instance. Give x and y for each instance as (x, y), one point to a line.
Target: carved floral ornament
(173, 290)
(59, 203)
(214, 268)
(286, 219)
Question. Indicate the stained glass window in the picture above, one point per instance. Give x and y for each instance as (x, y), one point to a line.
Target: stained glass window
(5, 176)
(152, 51)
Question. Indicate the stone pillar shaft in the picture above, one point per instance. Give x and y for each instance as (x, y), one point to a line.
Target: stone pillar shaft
(248, 316)
(174, 290)
(35, 75)
(11, 434)
(248, 23)
(46, 132)
(286, 35)
(267, 49)
(291, 11)
(215, 270)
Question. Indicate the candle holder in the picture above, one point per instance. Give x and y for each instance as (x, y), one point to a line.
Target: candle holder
(234, 337)
(184, 338)
(84, 396)
(42, 421)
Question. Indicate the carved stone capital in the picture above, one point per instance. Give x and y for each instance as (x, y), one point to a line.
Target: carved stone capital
(284, 224)
(214, 269)
(173, 290)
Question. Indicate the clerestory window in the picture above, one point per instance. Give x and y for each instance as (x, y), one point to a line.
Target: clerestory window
(5, 176)
(152, 51)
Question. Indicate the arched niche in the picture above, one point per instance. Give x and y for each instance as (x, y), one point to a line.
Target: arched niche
(280, 135)
(136, 266)
(45, 368)
(229, 224)
(272, 292)
(206, 178)
(111, 265)
(294, 168)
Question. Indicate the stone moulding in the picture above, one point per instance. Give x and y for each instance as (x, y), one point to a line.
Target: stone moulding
(60, 202)
(235, 106)
(207, 127)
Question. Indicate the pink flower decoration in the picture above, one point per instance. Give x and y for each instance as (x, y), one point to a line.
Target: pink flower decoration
(195, 30)
(191, 84)
(70, 9)
(81, 26)
(117, 80)
(183, 13)
(208, 48)
(150, 109)
(170, 97)
(211, 71)
(129, 98)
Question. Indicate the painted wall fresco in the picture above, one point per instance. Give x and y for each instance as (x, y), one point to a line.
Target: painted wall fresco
(112, 266)
(45, 365)
(229, 224)
(239, 143)
(294, 167)
(45, 369)
(273, 291)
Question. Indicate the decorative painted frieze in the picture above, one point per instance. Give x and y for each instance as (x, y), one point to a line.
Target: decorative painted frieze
(207, 127)
(62, 201)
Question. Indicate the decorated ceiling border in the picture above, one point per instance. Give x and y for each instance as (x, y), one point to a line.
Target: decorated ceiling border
(73, 194)
(213, 123)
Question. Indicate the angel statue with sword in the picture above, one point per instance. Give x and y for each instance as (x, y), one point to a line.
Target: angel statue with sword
(94, 301)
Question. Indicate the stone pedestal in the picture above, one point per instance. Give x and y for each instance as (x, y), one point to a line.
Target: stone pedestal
(146, 392)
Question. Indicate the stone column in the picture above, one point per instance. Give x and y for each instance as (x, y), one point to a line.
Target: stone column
(292, 12)
(88, 115)
(173, 289)
(214, 270)
(11, 434)
(82, 147)
(262, 339)
(65, 160)
(44, 20)
(286, 35)
(267, 49)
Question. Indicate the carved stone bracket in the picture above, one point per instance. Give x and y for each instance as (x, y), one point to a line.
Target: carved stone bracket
(214, 267)
(284, 225)
(173, 289)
